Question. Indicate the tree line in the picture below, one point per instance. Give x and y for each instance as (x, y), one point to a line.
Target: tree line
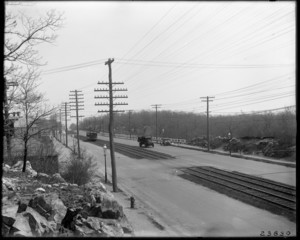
(187, 125)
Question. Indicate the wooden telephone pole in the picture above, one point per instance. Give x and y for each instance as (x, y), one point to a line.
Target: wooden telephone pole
(156, 106)
(65, 115)
(110, 90)
(207, 100)
(77, 107)
(60, 126)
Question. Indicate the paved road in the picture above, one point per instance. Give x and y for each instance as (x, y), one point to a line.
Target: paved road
(187, 209)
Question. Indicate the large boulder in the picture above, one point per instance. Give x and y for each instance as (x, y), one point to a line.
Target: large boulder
(9, 213)
(39, 204)
(5, 167)
(112, 228)
(85, 231)
(101, 204)
(97, 227)
(7, 184)
(95, 186)
(22, 226)
(7, 223)
(89, 210)
(43, 177)
(126, 226)
(22, 207)
(9, 210)
(111, 208)
(39, 225)
(19, 167)
(69, 219)
(31, 223)
(59, 210)
(57, 178)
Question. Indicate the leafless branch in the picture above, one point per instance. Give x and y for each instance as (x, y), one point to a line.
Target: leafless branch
(19, 46)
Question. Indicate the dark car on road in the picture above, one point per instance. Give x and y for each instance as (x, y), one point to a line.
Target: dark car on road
(165, 142)
(145, 142)
(91, 136)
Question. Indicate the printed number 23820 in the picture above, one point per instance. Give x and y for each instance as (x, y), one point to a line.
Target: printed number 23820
(274, 233)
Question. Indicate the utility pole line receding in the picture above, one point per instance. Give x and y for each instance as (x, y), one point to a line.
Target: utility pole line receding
(78, 96)
(66, 120)
(207, 101)
(111, 111)
(55, 132)
(60, 126)
(156, 106)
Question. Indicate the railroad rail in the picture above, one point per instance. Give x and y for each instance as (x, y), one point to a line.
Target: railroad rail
(133, 151)
(277, 194)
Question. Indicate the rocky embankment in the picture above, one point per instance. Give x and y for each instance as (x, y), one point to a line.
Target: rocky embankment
(39, 205)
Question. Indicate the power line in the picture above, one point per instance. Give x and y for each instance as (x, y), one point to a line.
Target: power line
(73, 67)
(255, 85)
(256, 102)
(140, 40)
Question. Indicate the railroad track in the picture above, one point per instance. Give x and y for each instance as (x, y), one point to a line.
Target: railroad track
(277, 194)
(132, 151)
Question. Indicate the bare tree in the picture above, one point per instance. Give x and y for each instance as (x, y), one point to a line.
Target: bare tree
(32, 105)
(22, 34)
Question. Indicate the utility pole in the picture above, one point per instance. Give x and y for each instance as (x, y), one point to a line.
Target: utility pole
(207, 101)
(129, 127)
(65, 105)
(110, 90)
(77, 107)
(60, 127)
(156, 106)
(55, 132)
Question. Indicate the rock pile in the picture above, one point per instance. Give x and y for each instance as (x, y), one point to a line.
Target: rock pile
(36, 204)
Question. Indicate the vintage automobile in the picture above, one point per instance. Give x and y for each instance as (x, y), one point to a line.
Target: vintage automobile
(91, 136)
(165, 142)
(145, 141)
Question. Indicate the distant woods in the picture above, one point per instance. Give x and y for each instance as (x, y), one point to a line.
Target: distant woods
(280, 125)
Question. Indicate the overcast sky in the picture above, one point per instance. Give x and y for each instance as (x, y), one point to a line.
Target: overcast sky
(172, 53)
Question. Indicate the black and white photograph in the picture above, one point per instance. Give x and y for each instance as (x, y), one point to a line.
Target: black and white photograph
(136, 119)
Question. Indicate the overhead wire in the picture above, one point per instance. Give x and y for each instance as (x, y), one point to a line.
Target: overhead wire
(202, 56)
(131, 61)
(156, 37)
(73, 67)
(252, 101)
(252, 31)
(272, 80)
(168, 72)
(146, 34)
(130, 79)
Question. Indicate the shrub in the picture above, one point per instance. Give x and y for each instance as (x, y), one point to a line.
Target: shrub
(79, 170)
(216, 143)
